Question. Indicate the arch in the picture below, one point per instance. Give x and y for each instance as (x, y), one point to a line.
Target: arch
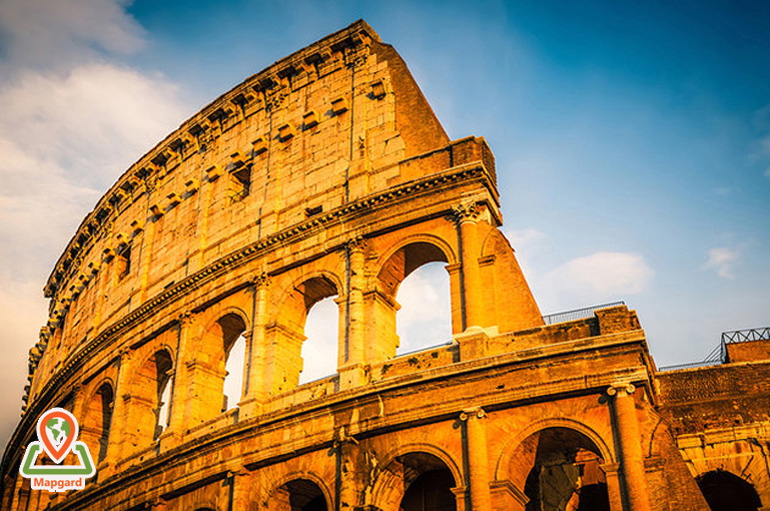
(97, 420)
(285, 334)
(289, 292)
(300, 491)
(553, 422)
(396, 264)
(557, 464)
(401, 467)
(417, 240)
(725, 491)
(217, 312)
(148, 389)
(221, 333)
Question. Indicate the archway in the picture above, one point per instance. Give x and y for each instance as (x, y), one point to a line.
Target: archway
(425, 316)
(319, 350)
(287, 336)
(95, 429)
(233, 359)
(152, 390)
(725, 491)
(298, 495)
(384, 306)
(563, 471)
(416, 481)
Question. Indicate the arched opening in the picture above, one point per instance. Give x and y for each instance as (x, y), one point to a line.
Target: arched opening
(417, 481)
(425, 319)
(725, 491)
(232, 360)
(95, 428)
(319, 350)
(150, 399)
(560, 469)
(293, 346)
(298, 495)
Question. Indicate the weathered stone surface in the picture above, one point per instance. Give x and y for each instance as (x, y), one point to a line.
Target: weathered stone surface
(327, 174)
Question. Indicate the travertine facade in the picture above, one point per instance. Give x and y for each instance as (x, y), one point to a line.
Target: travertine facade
(327, 174)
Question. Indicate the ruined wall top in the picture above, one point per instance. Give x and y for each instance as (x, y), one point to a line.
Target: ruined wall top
(318, 128)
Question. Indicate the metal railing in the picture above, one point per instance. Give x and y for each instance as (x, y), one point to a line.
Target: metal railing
(748, 335)
(584, 313)
(719, 354)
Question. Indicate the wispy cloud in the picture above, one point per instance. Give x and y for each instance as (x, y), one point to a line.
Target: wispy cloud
(74, 118)
(41, 33)
(595, 278)
(721, 259)
(424, 318)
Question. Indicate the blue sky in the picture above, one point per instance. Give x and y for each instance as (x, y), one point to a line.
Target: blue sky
(632, 138)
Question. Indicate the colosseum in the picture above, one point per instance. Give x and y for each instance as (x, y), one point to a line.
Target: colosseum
(327, 174)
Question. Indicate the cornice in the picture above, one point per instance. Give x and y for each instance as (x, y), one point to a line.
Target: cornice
(461, 174)
(271, 81)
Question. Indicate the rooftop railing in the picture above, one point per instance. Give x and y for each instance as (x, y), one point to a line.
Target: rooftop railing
(719, 354)
(584, 313)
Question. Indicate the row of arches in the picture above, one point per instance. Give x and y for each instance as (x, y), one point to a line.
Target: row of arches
(311, 310)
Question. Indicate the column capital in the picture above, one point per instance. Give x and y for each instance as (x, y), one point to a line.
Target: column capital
(466, 212)
(356, 244)
(262, 279)
(621, 389)
(125, 354)
(186, 318)
(471, 413)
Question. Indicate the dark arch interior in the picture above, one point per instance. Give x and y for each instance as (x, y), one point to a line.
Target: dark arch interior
(315, 290)
(725, 491)
(566, 472)
(406, 260)
(107, 398)
(428, 482)
(305, 495)
(232, 326)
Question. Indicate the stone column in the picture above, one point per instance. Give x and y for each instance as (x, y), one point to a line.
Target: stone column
(478, 459)
(466, 216)
(346, 476)
(631, 459)
(351, 356)
(241, 489)
(118, 431)
(256, 390)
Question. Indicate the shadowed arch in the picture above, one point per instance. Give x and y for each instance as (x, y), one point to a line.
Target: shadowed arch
(725, 491)
(150, 392)
(510, 448)
(404, 466)
(396, 265)
(97, 421)
(300, 491)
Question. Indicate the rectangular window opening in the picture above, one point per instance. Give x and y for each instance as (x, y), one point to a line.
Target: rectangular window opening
(240, 181)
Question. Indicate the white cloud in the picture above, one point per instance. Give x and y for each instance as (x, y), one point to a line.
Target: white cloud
(319, 351)
(64, 139)
(721, 259)
(424, 318)
(767, 173)
(592, 279)
(42, 33)
(72, 120)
